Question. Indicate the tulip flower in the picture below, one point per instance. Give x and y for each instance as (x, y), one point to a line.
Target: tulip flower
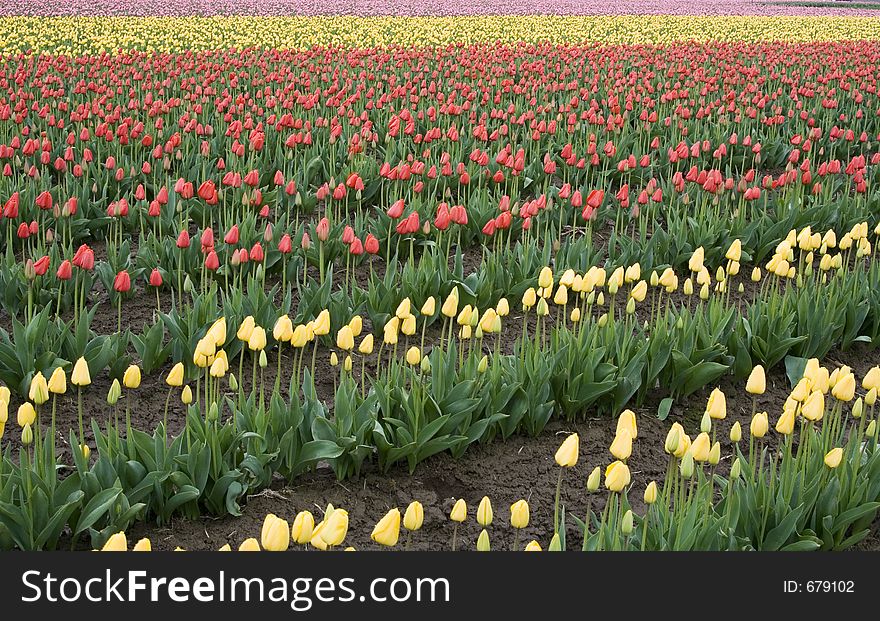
(275, 535)
(249, 545)
(116, 543)
(484, 512)
(617, 476)
(533, 546)
(387, 530)
(302, 528)
(833, 457)
(143, 545)
(757, 383)
(483, 541)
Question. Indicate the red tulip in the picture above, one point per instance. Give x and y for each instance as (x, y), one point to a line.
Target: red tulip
(155, 278)
(183, 240)
(396, 209)
(41, 266)
(371, 245)
(356, 247)
(65, 270)
(322, 231)
(122, 282)
(285, 246)
(257, 252)
(231, 236)
(211, 261)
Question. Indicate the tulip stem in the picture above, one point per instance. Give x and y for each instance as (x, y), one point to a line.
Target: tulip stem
(556, 506)
(454, 535)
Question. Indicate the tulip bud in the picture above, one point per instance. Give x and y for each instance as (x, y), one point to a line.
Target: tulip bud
(833, 457)
(132, 377)
(413, 356)
(626, 524)
(594, 480)
(735, 470)
(715, 454)
(533, 546)
(303, 525)
(414, 516)
(186, 395)
(80, 375)
(116, 543)
(27, 435)
(555, 544)
(706, 423)
(687, 465)
(143, 545)
(387, 530)
(26, 414)
(617, 476)
(758, 426)
(651, 493)
(275, 536)
(459, 511)
(519, 514)
(483, 541)
(249, 545)
(484, 512)
(567, 454)
(483, 364)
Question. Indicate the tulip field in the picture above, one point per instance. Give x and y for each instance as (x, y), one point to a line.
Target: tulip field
(293, 275)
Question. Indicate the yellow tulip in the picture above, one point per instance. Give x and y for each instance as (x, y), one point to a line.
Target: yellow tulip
(484, 512)
(257, 339)
(387, 530)
(483, 541)
(357, 325)
(701, 447)
(519, 514)
(459, 511)
(845, 388)
(450, 305)
(785, 424)
(303, 525)
(345, 339)
(621, 447)
(403, 309)
(39, 389)
(567, 454)
(617, 476)
(872, 379)
(651, 493)
(249, 545)
(58, 382)
(757, 382)
(429, 307)
(80, 375)
(26, 414)
(116, 543)
(175, 375)
(246, 329)
(834, 457)
(758, 426)
(813, 408)
(533, 546)
(414, 516)
(545, 278)
(640, 291)
(225, 548)
(132, 377)
(186, 395)
(735, 432)
(283, 329)
(366, 346)
(322, 323)
(143, 545)
(275, 536)
(594, 480)
(627, 421)
(300, 337)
